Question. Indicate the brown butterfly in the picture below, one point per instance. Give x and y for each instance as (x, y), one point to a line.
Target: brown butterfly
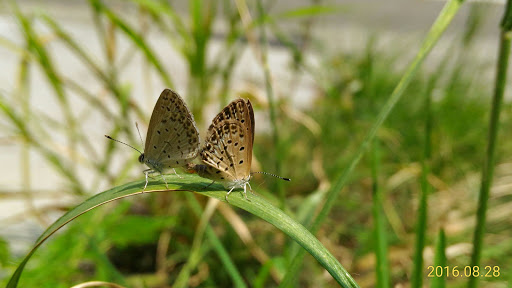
(227, 152)
(172, 139)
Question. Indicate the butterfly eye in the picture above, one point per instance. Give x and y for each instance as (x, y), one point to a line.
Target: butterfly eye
(141, 158)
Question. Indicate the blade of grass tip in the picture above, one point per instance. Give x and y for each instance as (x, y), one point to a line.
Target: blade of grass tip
(138, 40)
(129, 189)
(421, 223)
(272, 107)
(381, 245)
(439, 260)
(443, 20)
(195, 251)
(218, 247)
(263, 209)
(488, 167)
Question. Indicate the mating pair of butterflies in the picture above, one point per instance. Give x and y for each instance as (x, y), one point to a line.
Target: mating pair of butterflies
(172, 141)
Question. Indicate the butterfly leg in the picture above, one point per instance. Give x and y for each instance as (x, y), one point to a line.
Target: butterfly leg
(146, 172)
(228, 194)
(165, 181)
(245, 192)
(250, 188)
(176, 173)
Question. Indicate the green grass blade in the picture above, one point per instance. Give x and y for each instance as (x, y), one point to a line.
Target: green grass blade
(421, 223)
(443, 20)
(257, 206)
(381, 245)
(439, 260)
(488, 167)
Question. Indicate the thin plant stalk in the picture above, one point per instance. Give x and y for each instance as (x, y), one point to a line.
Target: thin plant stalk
(439, 260)
(443, 20)
(421, 224)
(381, 249)
(488, 167)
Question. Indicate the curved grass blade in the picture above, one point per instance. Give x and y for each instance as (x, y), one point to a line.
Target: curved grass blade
(130, 189)
(257, 206)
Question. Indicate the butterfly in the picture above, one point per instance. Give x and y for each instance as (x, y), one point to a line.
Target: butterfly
(172, 139)
(227, 151)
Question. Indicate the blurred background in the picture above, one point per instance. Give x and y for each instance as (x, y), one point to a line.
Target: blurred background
(73, 71)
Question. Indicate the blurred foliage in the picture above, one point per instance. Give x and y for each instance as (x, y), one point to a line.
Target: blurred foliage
(121, 244)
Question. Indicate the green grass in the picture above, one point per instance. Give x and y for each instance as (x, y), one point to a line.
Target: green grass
(422, 133)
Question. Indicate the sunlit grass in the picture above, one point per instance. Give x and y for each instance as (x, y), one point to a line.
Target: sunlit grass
(418, 176)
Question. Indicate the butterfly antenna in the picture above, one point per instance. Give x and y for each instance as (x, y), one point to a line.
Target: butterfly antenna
(123, 143)
(266, 173)
(140, 136)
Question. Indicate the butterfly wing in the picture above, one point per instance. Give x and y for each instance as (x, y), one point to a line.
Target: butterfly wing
(227, 152)
(240, 110)
(172, 139)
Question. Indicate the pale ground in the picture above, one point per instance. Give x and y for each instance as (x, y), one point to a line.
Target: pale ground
(396, 22)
